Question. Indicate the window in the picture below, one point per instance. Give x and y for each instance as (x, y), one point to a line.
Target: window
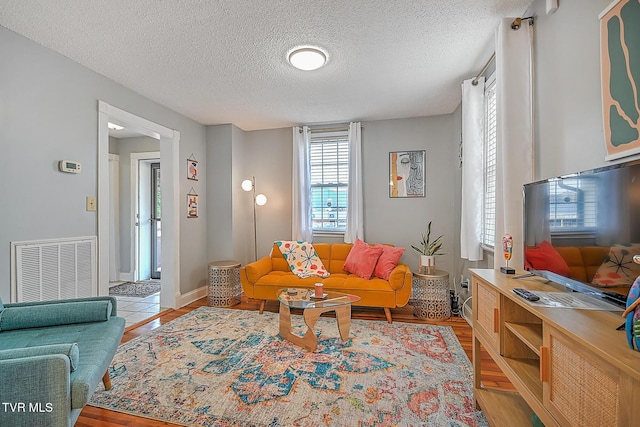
(489, 165)
(329, 160)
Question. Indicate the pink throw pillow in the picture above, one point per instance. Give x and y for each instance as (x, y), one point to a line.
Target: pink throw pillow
(387, 261)
(362, 259)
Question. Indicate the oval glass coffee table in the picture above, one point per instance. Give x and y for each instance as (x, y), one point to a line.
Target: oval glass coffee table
(313, 308)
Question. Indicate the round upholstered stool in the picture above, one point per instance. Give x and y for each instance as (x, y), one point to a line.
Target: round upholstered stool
(225, 288)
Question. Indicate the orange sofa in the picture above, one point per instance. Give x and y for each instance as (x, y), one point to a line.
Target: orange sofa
(263, 278)
(584, 262)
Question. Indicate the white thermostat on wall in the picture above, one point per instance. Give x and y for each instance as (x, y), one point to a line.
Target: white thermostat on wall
(69, 166)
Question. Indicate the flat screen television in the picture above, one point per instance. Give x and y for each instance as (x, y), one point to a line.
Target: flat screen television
(592, 220)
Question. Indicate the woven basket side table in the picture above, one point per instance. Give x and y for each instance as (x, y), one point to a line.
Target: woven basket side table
(225, 288)
(430, 295)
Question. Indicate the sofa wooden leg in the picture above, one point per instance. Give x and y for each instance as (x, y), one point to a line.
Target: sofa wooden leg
(262, 305)
(387, 313)
(106, 380)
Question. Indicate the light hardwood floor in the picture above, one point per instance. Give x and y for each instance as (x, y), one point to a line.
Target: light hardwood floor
(97, 417)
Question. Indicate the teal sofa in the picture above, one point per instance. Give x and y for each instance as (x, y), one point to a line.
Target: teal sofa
(53, 355)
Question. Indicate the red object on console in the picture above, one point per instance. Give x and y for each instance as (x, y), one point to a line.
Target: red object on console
(545, 257)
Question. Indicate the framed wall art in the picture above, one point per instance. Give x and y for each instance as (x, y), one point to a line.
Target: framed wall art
(620, 74)
(192, 204)
(192, 168)
(407, 173)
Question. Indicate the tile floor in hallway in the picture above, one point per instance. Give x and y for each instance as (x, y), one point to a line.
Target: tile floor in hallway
(135, 309)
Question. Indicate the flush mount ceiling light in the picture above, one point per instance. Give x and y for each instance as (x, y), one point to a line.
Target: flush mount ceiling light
(307, 58)
(114, 126)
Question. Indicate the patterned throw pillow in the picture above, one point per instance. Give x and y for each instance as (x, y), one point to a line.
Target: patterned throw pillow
(618, 268)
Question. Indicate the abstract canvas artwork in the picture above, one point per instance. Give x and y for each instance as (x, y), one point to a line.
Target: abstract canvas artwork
(620, 65)
(406, 173)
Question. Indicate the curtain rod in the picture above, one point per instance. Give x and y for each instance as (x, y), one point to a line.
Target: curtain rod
(515, 25)
(475, 80)
(336, 129)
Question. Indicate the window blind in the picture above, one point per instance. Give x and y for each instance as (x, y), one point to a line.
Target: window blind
(573, 204)
(329, 161)
(490, 167)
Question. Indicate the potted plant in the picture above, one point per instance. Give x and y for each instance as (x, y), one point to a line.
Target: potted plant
(428, 250)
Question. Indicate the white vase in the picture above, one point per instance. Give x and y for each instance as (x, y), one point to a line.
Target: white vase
(428, 263)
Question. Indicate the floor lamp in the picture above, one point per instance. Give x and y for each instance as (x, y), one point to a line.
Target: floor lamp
(258, 199)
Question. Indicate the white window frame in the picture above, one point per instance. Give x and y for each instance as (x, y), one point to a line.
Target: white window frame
(489, 165)
(338, 207)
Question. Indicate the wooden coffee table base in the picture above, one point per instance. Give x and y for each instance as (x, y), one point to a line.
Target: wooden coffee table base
(311, 315)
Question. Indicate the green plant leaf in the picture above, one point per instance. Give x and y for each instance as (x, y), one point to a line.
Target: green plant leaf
(426, 246)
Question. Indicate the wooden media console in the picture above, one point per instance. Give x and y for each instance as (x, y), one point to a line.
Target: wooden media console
(570, 367)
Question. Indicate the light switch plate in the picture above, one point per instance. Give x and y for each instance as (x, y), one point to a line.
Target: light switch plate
(91, 204)
(552, 6)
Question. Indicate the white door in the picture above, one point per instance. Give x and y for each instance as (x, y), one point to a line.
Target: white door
(144, 219)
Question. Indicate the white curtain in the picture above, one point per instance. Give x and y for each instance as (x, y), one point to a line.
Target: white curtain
(473, 123)
(514, 104)
(355, 212)
(301, 227)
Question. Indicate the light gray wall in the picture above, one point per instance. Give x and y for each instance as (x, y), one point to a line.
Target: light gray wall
(219, 192)
(242, 215)
(49, 112)
(230, 220)
(268, 156)
(568, 104)
(401, 221)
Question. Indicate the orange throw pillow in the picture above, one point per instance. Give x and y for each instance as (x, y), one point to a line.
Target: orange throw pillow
(387, 261)
(362, 259)
(545, 257)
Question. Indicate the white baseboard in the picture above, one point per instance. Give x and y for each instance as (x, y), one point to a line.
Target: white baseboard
(467, 312)
(126, 277)
(189, 297)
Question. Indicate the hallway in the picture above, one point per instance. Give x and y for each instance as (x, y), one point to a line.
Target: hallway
(136, 309)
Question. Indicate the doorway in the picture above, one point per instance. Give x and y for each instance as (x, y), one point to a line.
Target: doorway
(156, 222)
(169, 183)
(145, 209)
(138, 290)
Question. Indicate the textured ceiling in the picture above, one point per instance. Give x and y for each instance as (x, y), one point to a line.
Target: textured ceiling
(224, 61)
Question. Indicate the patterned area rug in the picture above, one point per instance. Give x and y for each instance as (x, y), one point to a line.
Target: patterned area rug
(221, 367)
(140, 289)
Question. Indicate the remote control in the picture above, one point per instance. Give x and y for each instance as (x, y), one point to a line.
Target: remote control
(526, 294)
